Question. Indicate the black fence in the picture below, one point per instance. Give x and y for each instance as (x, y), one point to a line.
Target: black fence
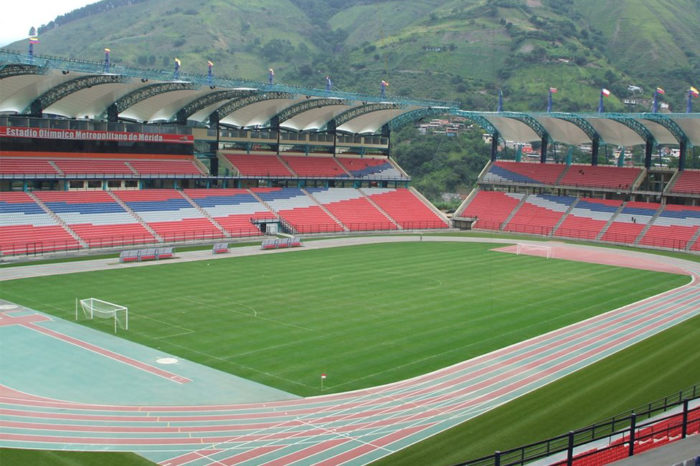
(35, 248)
(624, 432)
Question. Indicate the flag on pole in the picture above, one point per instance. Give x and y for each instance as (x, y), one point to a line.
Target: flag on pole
(660, 91)
(107, 63)
(692, 92)
(552, 90)
(33, 40)
(603, 93)
(323, 376)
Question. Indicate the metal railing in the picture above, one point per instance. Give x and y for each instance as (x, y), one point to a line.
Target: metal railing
(621, 426)
(582, 234)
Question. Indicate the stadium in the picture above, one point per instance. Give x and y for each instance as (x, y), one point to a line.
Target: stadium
(273, 290)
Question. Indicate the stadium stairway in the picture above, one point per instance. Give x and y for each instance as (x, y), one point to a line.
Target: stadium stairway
(649, 225)
(168, 213)
(491, 208)
(379, 209)
(513, 213)
(136, 216)
(627, 225)
(58, 219)
(317, 167)
(539, 214)
(205, 214)
(610, 220)
(565, 216)
(407, 207)
(674, 227)
(27, 228)
(587, 218)
(95, 218)
(298, 210)
(351, 207)
(687, 182)
(323, 207)
(233, 209)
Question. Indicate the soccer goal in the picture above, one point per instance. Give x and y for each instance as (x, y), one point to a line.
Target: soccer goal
(539, 250)
(97, 308)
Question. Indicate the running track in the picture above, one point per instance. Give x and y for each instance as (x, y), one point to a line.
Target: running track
(355, 427)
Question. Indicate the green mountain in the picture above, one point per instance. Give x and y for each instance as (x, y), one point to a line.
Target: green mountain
(462, 50)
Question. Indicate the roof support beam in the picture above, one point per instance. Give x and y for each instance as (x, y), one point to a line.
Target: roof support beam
(632, 124)
(585, 126)
(19, 69)
(528, 120)
(478, 119)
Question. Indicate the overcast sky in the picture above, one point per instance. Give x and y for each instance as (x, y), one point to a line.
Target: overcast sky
(18, 16)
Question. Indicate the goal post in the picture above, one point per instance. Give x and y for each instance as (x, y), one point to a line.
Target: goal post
(529, 249)
(96, 308)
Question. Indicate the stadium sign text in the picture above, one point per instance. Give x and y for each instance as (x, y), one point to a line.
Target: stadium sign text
(85, 135)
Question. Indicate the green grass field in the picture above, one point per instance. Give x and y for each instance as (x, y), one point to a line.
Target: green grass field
(373, 314)
(365, 315)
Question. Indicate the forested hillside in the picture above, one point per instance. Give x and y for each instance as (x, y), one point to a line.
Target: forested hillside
(457, 50)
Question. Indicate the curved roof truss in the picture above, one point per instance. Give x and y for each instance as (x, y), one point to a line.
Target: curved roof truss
(209, 99)
(302, 107)
(18, 69)
(237, 104)
(632, 124)
(669, 124)
(62, 90)
(143, 93)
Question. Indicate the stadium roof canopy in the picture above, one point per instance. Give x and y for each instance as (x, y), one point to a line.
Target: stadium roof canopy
(78, 89)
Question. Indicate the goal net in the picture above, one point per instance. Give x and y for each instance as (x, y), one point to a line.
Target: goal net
(96, 308)
(540, 250)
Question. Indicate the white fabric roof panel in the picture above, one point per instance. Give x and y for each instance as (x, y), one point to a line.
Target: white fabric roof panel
(512, 129)
(258, 113)
(202, 115)
(17, 92)
(90, 102)
(313, 120)
(563, 131)
(614, 132)
(370, 123)
(661, 134)
(160, 107)
(691, 127)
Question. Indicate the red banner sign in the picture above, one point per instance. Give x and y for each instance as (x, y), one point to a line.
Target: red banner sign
(88, 135)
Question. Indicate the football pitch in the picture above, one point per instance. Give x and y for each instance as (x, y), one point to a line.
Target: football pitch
(363, 315)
